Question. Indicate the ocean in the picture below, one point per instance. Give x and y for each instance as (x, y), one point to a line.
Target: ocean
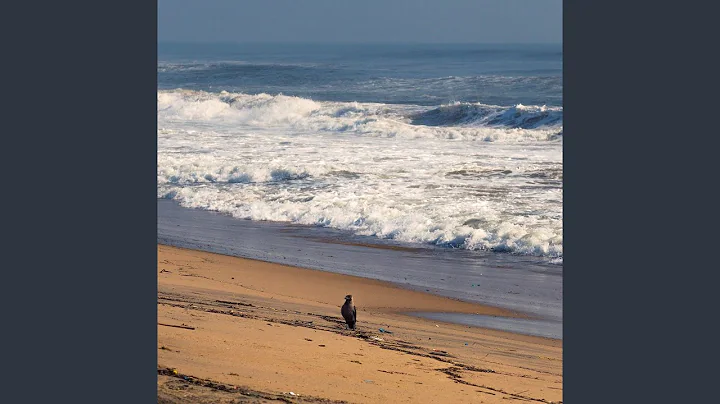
(457, 147)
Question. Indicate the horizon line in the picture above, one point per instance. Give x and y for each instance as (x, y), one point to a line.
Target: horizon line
(185, 42)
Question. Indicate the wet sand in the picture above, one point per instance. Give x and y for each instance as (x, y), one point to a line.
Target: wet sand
(241, 330)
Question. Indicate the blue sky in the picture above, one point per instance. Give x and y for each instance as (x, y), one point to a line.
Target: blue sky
(368, 21)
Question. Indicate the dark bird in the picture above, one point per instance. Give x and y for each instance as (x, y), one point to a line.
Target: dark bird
(349, 312)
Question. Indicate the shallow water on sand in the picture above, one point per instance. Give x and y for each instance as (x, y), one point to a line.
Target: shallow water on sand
(539, 328)
(529, 285)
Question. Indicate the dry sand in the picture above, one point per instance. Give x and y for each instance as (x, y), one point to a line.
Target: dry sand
(257, 331)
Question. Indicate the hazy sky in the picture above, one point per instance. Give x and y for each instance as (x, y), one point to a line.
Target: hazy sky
(459, 21)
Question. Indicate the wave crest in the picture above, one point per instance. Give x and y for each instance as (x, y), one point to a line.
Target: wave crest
(257, 109)
(460, 121)
(365, 218)
(468, 114)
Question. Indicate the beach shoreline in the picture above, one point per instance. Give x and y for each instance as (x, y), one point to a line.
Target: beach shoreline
(525, 286)
(235, 329)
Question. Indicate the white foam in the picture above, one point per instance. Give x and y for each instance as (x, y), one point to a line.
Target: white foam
(252, 109)
(363, 168)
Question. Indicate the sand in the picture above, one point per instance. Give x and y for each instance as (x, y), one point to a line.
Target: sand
(239, 330)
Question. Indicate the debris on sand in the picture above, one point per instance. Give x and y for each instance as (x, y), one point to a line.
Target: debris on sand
(187, 327)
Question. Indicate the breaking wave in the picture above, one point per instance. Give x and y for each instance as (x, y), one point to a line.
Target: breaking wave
(467, 114)
(369, 216)
(459, 121)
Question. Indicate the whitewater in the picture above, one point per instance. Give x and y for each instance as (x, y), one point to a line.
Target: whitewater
(458, 174)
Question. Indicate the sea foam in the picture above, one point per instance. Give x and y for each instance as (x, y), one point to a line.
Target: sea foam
(461, 175)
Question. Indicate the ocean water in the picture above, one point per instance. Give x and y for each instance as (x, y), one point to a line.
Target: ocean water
(458, 146)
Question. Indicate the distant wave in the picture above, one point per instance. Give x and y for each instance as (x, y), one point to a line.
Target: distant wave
(459, 121)
(325, 83)
(234, 65)
(467, 114)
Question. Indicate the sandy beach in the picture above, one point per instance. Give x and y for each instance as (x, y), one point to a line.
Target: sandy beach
(240, 330)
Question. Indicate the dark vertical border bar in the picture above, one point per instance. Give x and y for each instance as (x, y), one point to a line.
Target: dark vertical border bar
(634, 111)
(79, 201)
